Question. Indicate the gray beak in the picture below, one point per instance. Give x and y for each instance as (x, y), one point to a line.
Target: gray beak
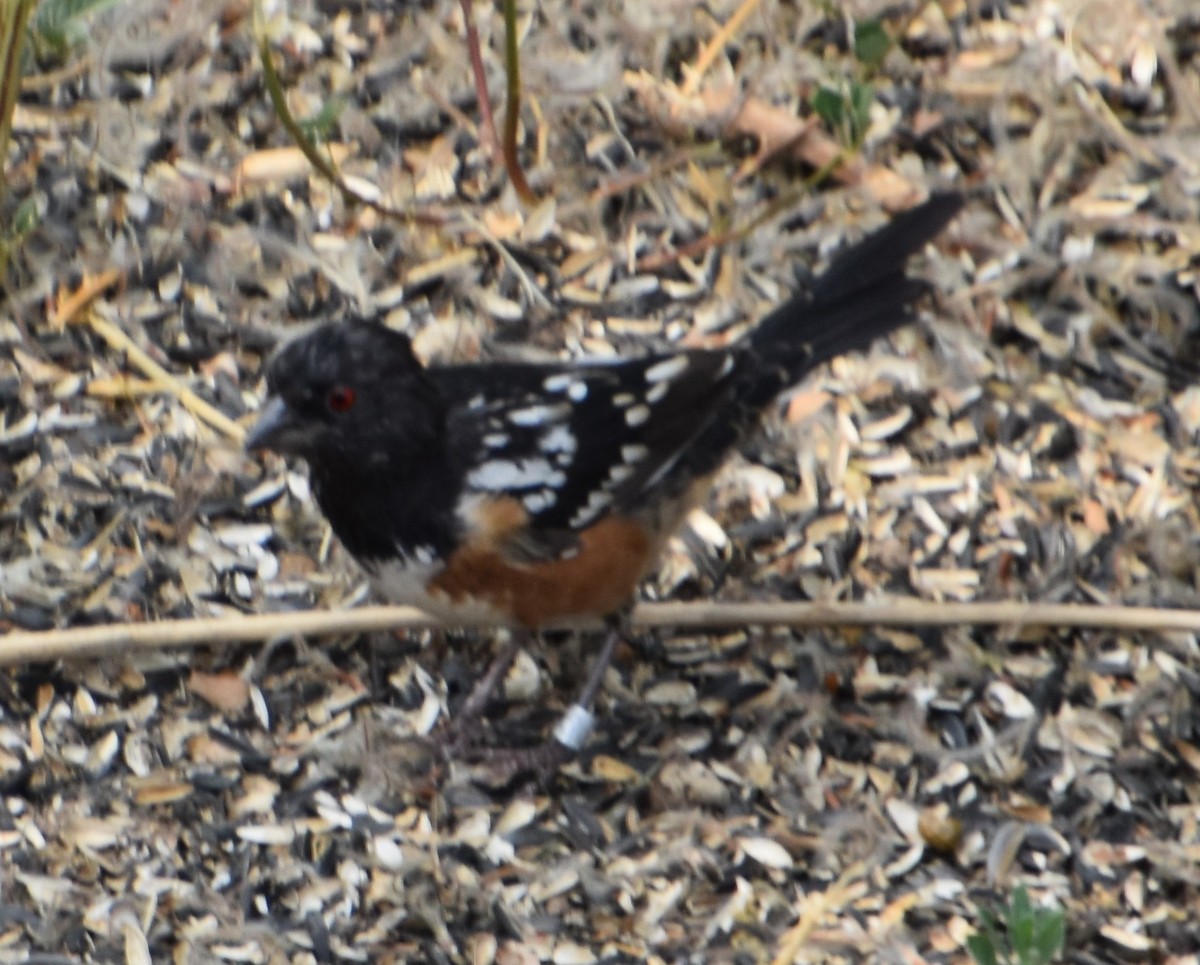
(278, 429)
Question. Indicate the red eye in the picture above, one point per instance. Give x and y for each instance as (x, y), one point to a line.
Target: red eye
(341, 399)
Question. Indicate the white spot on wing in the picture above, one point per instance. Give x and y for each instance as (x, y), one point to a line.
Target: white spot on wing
(499, 475)
(726, 366)
(558, 439)
(597, 501)
(623, 399)
(634, 452)
(637, 415)
(542, 499)
(667, 369)
(536, 415)
(656, 393)
(558, 383)
(495, 440)
(619, 473)
(577, 391)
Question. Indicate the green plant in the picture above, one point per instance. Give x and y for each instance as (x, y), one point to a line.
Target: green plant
(846, 106)
(871, 44)
(846, 109)
(59, 25)
(13, 18)
(49, 30)
(320, 126)
(512, 104)
(1025, 935)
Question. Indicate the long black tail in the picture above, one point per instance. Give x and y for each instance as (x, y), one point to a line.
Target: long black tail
(862, 295)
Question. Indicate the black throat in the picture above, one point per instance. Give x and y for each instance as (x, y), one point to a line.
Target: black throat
(390, 507)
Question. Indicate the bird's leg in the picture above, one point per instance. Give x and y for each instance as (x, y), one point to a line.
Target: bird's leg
(575, 725)
(460, 730)
(477, 700)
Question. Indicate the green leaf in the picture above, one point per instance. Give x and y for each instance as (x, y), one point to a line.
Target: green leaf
(1049, 935)
(871, 43)
(862, 96)
(1020, 907)
(982, 949)
(1020, 924)
(320, 125)
(59, 24)
(829, 105)
(26, 217)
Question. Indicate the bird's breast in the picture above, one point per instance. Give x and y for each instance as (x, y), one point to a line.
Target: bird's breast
(408, 582)
(479, 584)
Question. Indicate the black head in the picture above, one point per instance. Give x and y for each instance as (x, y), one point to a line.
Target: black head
(348, 391)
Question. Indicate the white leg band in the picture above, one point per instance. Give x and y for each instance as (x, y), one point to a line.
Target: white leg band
(573, 730)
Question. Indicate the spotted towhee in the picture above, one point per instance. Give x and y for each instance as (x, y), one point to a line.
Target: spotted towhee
(538, 494)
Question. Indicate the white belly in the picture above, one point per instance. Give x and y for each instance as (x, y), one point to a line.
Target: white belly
(403, 581)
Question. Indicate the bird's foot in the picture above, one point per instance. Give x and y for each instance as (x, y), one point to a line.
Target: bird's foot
(503, 764)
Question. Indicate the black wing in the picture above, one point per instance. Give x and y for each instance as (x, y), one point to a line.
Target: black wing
(574, 442)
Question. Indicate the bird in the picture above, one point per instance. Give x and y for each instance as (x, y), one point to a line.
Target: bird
(538, 494)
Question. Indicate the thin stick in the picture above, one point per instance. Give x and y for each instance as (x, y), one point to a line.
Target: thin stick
(322, 159)
(69, 306)
(709, 54)
(73, 309)
(531, 289)
(487, 123)
(512, 104)
(118, 340)
(814, 907)
(25, 647)
(13, 17)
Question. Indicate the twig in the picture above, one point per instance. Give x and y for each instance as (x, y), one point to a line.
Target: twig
(28, 646)
(323, 161)
(784, 202)
(534, 293)
(13, 17)
(698, 246)
(691, 82)
(72, 309)
(119, 341)
(657, 260)
(487, 123)
(68, 307)
(814, 907)
(512, 104)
